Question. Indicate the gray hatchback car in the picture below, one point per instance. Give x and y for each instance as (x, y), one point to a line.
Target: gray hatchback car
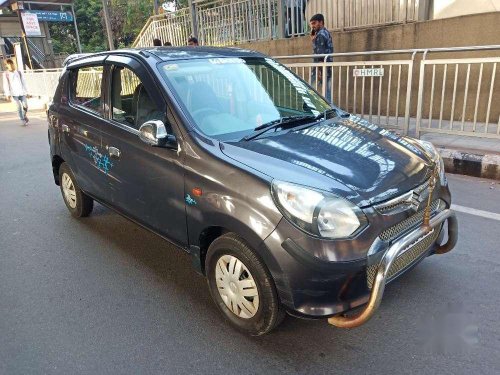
(285, 203)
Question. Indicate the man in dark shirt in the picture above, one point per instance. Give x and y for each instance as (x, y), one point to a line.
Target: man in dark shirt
(322, 44)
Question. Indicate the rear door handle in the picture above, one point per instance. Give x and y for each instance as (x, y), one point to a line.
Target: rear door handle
(65, 128)
(113, 152)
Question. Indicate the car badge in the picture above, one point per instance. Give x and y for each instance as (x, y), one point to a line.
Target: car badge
(415, 199)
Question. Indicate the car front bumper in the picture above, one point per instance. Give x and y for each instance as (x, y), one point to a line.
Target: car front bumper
(396, 250)
(310, 287)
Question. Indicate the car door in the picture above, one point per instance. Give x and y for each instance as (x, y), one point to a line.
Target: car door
(146, 183)
(80, 118)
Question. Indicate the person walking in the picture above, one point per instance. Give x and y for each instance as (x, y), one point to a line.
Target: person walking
(15, 89)
(322, 44)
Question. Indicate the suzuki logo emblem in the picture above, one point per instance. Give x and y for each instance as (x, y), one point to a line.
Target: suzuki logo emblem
(414, 199)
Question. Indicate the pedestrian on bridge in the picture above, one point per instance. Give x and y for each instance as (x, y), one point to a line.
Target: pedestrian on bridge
(193, 41)
(15, 89)
(322, 44)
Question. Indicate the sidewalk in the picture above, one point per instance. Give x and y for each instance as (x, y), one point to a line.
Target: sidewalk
(472, 156)
(34, 104)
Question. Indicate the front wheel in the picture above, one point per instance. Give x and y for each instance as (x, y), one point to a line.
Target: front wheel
(78, 203)
(242, 287)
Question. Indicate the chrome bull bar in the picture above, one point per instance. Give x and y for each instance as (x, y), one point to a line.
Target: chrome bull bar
(390, 255)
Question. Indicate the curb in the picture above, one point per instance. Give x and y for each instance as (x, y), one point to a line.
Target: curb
(471, 164)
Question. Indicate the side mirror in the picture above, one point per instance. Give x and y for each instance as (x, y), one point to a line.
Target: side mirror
(154, 133)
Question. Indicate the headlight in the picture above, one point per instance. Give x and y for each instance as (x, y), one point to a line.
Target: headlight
(436, 158)
(318, 213)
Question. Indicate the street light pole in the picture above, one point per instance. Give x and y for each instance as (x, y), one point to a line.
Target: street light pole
(108, 24)
(76, 30)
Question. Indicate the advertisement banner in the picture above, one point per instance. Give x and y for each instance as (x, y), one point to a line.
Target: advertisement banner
(31, 25)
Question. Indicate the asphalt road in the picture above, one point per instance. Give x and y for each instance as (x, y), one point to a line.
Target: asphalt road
(103, 296)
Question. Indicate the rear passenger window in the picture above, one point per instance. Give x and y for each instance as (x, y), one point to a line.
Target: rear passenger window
(131, 102)
(86, 86)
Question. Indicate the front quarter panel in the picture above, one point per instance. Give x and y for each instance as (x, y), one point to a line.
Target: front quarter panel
(233, 198)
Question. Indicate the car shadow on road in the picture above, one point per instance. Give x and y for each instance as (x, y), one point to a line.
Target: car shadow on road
(312, 341)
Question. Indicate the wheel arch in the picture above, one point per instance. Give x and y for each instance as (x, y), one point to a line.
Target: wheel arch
(201, 241)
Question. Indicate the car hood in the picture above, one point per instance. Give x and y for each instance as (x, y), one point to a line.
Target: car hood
(366, 163)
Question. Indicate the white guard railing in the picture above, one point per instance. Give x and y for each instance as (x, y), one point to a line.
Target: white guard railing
(223, 22)
(454, 96)
(229, 22)
(461, 97)
(349, 14)
(379, 90)
(42, 82)
(458, 96)
(174, 27)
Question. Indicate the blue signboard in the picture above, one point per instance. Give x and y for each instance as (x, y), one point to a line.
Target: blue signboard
(52, 16)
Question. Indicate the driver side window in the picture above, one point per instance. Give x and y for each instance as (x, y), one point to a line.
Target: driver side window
(130, 100)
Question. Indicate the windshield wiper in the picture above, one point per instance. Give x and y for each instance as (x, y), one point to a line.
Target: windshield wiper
(338, 113)
(278, 123)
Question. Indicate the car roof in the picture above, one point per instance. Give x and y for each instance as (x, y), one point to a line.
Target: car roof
(182, 53)
(172, 53)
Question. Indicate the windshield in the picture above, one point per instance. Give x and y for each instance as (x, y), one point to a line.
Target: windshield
(229, 97)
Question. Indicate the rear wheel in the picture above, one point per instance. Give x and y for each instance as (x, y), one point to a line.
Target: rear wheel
(78, 203)
(242, 287)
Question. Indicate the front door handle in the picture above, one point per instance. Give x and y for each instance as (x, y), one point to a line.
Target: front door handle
(65, 128)
(113, 152)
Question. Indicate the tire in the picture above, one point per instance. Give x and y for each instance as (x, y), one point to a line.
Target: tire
(78, 203)
(230, 282)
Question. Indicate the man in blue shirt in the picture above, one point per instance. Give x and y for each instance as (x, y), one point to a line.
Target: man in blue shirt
(322, 44)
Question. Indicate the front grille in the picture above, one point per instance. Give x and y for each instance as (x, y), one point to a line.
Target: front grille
(396, 230)
(407, 257)
(403, 201)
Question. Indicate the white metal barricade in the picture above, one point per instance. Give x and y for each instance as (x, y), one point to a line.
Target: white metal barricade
(459, 96)
(174, 27)
(379, 90)
(223, 22)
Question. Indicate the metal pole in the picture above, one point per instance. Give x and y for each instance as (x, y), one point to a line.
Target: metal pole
(232, 21)
(409, 83)
(281, 19)
(108, 24)
(271, 21)
(155, 7)
(76, 30)
(421, 95)
(194, 19)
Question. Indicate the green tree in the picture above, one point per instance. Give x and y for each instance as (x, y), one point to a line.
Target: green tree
(89, 20)
(127, 17)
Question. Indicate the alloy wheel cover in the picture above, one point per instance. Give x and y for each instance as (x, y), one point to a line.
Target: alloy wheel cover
(237, 287)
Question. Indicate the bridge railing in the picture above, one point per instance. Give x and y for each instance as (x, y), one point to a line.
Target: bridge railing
(229, 22)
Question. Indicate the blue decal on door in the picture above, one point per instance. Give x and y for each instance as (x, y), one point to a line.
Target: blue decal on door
(101, 161)
(190, 200)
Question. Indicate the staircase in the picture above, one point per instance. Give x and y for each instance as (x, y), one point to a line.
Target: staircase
(38, 57)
